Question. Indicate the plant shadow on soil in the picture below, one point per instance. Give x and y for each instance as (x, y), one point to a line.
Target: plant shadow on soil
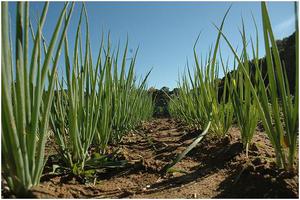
(215, 168)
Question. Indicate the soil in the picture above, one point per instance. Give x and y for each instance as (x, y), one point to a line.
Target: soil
(215, 168)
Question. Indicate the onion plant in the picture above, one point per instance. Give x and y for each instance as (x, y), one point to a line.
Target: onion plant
(76, 110)
(281, 130)
(245, 107)
(26, 99)
(198, 101)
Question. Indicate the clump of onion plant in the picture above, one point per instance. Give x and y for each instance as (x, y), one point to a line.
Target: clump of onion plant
(26, 100)
(245, 107)
(76, 109)
(198, 101)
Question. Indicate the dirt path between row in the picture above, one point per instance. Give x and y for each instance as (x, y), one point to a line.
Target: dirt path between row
(216, 168)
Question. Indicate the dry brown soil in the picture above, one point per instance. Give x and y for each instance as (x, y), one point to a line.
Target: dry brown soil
(216, 168)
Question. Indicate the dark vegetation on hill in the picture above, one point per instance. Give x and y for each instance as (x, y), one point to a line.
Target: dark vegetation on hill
(287, 51)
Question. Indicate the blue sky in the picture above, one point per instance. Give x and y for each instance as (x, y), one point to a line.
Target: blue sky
(165, 32)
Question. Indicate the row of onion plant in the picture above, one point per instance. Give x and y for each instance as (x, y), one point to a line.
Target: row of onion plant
(278, 108)
(125, 100)
(99, 105)
(88, 105)
(249, 98)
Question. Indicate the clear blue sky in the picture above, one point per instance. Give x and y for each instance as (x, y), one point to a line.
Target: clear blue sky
(166, 31)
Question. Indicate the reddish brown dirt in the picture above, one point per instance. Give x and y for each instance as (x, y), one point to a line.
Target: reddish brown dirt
(216, 168)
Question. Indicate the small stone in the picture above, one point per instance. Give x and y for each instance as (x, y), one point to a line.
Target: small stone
(273, 180)
(263, 161)
(159, 180)
(6, 188)
(267, 176)
(176, 174)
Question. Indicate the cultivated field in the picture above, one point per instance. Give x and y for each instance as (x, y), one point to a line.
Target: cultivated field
(88, 131)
